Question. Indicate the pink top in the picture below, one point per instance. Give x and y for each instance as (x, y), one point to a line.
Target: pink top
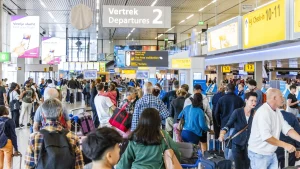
(112, 95)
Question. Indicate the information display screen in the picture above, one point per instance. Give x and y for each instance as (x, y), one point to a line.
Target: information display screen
(90, 74)
(147, 58)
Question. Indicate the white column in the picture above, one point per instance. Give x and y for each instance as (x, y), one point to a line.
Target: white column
(258, 73)
(21, 61)
(272, 74)
(198, 66)
(220, 76)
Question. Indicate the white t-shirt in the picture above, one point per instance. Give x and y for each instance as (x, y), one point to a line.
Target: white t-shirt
(266, 123)
(103, 104)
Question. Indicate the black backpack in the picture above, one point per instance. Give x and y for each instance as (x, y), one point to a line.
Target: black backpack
(56, 152)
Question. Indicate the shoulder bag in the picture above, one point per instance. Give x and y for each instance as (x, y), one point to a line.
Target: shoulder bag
(169, 157)
(228, 141)
(121, 119)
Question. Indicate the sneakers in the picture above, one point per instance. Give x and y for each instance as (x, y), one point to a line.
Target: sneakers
(21, 126)
(28, 124)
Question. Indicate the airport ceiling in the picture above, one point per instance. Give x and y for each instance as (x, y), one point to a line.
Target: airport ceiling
(181, 9)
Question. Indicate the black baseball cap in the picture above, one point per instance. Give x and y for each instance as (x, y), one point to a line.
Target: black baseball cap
(198, 87)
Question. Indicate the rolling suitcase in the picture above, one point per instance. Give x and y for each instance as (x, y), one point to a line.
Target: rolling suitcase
(214, 159)
(82, 122)
(78, 96)
(71, 98)
(20, 155)
(68, 96)
(286, 161)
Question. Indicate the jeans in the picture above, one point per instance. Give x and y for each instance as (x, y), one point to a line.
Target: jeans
(6, 155)
(259, 161)
(15, 115)
(26, 110)
(228, 152)
(240, 155)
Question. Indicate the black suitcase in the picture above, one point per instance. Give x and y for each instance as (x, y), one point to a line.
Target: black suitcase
(68, 96)
(71, 98)
(214, 159)
(78, 96)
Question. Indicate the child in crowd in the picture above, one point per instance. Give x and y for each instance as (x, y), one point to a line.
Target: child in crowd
(102, 146)
(112, 93)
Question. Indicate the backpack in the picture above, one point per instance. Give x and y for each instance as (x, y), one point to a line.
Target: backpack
(56, 152)
(3, 137)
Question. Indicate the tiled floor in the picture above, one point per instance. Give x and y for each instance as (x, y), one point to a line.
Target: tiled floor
(24, 133)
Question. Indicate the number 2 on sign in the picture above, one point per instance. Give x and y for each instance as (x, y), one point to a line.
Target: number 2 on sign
(156, 20)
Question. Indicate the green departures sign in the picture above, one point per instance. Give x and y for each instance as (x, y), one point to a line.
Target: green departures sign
(4, 57)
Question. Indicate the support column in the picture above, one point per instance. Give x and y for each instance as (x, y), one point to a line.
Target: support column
(258, 73)
(1, 33)
(272, 74)
(197, 66)
(219, 75)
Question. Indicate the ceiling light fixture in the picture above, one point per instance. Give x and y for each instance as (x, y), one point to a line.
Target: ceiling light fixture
(181, 21)
(132, 30)
(50, 14)
(98, 1)
(55, 20)
(97, 28)
(201, 9)
(190, 16)
(170, 29)
(43, 4)
(153, 3)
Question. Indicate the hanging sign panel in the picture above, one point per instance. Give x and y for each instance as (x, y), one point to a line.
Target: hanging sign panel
(52, 48)
(136, 16)
(225, 37)
(226, 69)
(249, 68)
(295, 14)
(266, 25)
(25, 36)
(147, 58)
(181, 63)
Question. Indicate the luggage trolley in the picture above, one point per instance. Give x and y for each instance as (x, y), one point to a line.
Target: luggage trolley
(82, 120)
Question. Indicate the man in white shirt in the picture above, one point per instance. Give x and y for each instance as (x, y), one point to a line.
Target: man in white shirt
(267, 124)
(103, 104)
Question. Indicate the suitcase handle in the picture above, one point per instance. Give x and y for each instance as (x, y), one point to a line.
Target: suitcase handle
(80, 108)
(286, 157)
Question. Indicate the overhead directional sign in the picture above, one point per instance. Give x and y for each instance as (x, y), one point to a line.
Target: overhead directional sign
(265, 25)
(147, 58)
(249, 68)
(136, 16)
(226, 69)
(4, 56)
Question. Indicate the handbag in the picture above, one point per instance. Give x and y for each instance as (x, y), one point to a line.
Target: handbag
(14, 104)
(228, 141)
(121, 119)
(181, 124)
(169, 157)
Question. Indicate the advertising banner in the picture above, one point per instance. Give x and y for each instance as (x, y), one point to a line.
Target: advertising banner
(102, 67)
(52, 49)
(25, 36)
(146, 58)
(225, 37)
(136, 16)
(181, 63)
(266, 25)
(295, 14)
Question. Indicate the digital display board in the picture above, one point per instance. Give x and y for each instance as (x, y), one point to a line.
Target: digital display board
(90, 74)
(225, 37)
(265, 25)
(146, 58)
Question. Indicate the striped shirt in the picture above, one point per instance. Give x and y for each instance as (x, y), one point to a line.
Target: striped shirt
(36, 141)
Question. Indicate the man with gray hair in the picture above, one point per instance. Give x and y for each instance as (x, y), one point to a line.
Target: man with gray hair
(53, 142)
(148, 101)
(51, 93)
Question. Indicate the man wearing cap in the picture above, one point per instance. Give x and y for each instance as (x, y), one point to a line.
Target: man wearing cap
(225, 106)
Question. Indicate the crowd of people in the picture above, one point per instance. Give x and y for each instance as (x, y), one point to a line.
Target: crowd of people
(262, 129)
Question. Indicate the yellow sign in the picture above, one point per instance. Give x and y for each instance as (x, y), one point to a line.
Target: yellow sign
(297, 16)
(249, 68)
(102, 67)
(128, 71)
(226, 69)
(265, 25)
(181, 63)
